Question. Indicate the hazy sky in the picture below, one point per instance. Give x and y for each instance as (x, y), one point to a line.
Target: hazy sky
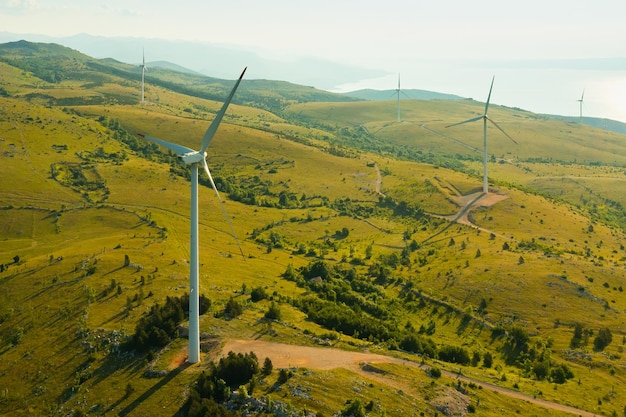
(452, 46)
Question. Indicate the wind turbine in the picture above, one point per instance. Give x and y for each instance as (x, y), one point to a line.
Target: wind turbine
(484, 117)
(582, 97)
(398, 93)
(143, 72)
(194, 159)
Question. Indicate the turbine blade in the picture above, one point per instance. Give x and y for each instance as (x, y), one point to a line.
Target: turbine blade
(219, 199)
(178, 149)
(208, 136)
(489, 96)
(502, 130)
(473, 119)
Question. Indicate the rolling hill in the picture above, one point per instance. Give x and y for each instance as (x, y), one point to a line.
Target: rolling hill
(360, 233)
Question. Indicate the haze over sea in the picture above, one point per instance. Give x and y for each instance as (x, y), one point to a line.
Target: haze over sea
(538, 89)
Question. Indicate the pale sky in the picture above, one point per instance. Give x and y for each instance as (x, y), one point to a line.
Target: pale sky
(452, 46)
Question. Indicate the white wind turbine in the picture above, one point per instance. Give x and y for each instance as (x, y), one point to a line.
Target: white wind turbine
(484, 117)
(581, 100)
(398, 93)
(143, 73)
(194, 159)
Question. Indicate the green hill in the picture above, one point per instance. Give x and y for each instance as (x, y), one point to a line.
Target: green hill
(346, 218)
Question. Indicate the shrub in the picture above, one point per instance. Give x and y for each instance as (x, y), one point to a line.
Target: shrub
(258, 294)
(602, 340)
(273, 313)
(267, 367)
(233, 308)
(354, 408)
(487, 360)
(454, 354)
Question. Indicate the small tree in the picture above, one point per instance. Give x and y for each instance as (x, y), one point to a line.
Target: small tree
(603, 339)
(487, 360)
(267, 367)
(577, 338)
(233, 308)
(273, 313)
(354, 408)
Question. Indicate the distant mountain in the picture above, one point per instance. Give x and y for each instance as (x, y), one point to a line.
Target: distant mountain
(171, 67)
(55, 63)
(222, 61)
(376, 95)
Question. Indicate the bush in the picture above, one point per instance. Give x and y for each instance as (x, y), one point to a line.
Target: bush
(233, 308)
(258, 294)
(454, 354)
(273, 313)
(354, 408)
(487, 360)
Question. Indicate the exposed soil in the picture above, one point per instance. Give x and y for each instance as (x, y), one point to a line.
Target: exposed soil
(287, 356)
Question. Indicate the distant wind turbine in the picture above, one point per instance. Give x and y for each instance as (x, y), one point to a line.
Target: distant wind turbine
(580, 101)
(143, 73)
(398, 92)
(484, 117)
(194, 159)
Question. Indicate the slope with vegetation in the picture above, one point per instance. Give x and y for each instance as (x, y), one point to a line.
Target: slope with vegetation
(344, 217)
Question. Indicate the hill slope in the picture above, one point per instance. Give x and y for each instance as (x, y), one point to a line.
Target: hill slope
(347, 219)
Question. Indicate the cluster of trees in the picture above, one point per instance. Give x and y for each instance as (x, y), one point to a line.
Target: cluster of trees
(581, 336)
(159, 326)
(214, 387)
(535, 360)
(342, 300)
(401, 208)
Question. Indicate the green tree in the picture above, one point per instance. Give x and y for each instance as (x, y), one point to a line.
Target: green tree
(354, 408)
(273, 313)
(268, 367)
(602, 340)
(233, 308)
(578, 337)
(487, 360)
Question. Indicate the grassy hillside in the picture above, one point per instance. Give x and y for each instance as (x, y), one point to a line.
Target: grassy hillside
(345, 219)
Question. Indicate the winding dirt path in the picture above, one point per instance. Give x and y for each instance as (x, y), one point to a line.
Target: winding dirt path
(286, 356)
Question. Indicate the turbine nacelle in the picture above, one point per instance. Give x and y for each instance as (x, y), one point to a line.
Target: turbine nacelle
(193, 157)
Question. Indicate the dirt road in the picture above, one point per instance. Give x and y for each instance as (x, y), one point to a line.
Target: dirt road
(286, 356)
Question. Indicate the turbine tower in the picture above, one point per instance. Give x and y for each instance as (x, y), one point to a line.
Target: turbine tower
(484, 117)
(143, 73)
(581, 100)
(194, 159)
(398, 93)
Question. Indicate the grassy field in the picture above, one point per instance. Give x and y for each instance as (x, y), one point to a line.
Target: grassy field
(94, 233)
